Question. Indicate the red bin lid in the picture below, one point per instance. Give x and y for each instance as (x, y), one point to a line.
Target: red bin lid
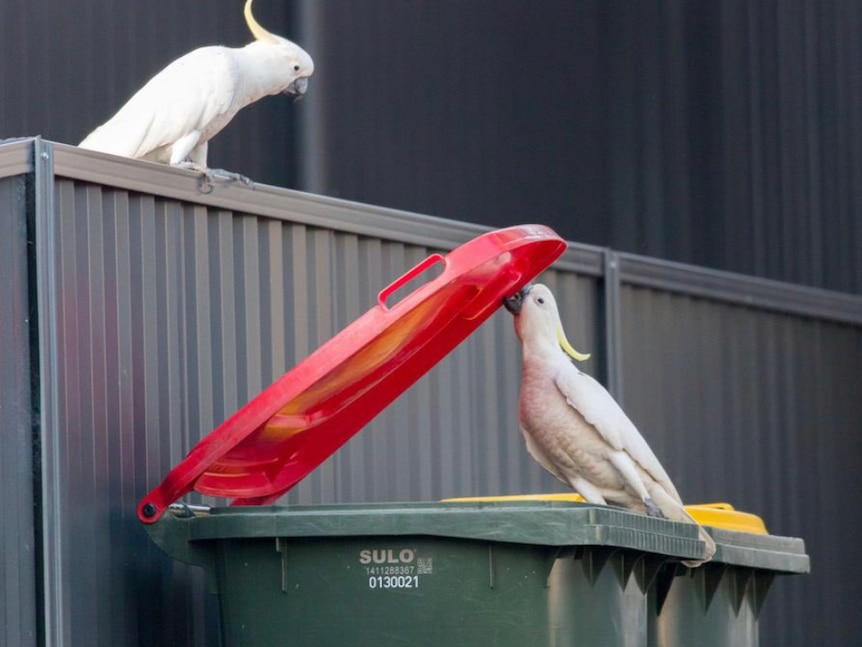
(290, 428)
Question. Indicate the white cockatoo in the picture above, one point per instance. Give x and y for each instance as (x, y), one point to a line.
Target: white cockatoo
(172, 118)
(576, 430)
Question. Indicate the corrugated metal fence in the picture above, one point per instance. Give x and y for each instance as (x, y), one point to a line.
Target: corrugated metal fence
(162, 309)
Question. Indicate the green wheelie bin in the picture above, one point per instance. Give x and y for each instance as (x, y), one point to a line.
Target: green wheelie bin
(501, 574)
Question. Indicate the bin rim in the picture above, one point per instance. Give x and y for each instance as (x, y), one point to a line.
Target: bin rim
(717, 515)
(556, 523)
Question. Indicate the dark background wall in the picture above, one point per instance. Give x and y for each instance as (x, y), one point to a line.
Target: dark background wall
(717, 133)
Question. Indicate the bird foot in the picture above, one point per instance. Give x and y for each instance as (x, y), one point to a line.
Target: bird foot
(210, 177)
(653, 510)
(221, 176)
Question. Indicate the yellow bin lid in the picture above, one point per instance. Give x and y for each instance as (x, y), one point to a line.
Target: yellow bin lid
(717, 515)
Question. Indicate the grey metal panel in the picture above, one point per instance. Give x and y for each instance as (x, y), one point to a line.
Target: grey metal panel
(15, 157)
(170, 314)
(315, 210)
(162, 310)
(761, 409)
(18, 540)
(739, 289)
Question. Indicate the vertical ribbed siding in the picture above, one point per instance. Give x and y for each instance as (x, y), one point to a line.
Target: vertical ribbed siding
(759, 409)
(18, 544)
(162, 315)
(170, 316)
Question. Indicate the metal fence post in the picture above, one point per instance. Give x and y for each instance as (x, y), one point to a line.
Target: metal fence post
(611, 325)
(48, 495)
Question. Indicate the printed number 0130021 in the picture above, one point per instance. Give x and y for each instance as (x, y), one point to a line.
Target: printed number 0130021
(393, 582)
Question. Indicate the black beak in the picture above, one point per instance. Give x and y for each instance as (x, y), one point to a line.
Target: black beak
(513, 303)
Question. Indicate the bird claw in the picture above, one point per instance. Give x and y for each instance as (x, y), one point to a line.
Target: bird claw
(653, 510)
(210, 177)
(220, 176)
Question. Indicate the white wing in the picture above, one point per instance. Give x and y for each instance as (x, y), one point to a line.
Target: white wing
(595, 404)
(187, 96)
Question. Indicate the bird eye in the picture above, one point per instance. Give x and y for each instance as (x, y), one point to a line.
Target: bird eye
(296, 68)
(540, 300)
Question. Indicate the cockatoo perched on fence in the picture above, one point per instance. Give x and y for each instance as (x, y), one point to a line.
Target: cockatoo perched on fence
(576, 430)
(173, 117)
